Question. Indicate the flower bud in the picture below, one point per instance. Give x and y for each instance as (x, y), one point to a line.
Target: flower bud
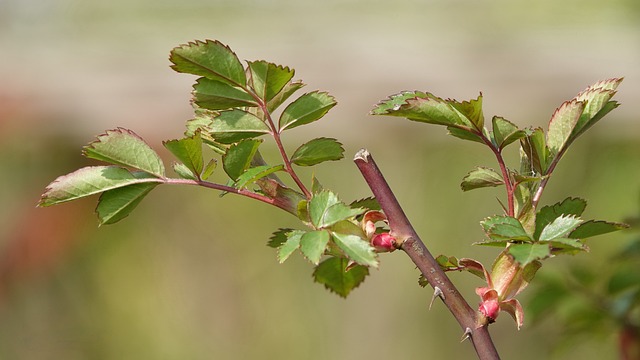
(490, 308)
(383, 242)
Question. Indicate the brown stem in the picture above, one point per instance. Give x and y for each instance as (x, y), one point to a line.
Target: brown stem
(411, 244)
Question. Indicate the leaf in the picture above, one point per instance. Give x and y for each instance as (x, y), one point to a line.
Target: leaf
(184, 172)
(370, 203)
(278, 238)
(333, 274)
(188, 151)
(568, 206)
(238, 157)
(269, 79)
(350, 239)
(254, 174)
(597, 98)
(504, 228)
(562, 123)
(290, 245)
(91, 180)
(472, 110)
(432, 110)
(325, 209)
(481, 177)
(565, 246)
(126, 148)
(234, 125)
(536, 150)
(313, 244)
(284, 94)
(210, 59)
(559, 227)
(209, 169)
(114, 205)
(217, 95)
(505, 132)
(528, 253)
(306, 109)
(396, 101)
(465, 134)
(594, 228)
(317, 151)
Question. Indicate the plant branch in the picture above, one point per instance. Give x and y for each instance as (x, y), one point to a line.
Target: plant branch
(410, 243)
(505, 173)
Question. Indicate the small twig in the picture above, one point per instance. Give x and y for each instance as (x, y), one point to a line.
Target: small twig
(410, 242)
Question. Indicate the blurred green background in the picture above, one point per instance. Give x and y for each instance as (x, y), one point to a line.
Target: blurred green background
(188, 275)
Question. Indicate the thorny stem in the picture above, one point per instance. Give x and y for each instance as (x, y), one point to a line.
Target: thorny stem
(411, 244)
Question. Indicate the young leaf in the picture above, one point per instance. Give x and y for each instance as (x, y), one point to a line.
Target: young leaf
(536, 150)
(472, 110)
(369, 203)
(428, 109)
(188, 151)
(333, 274)
(234, 125)
(184, 172)
(505, 132)
(504, 228)
(528, 253)
(395, 102)
(91, 180)
(217, 95)
(313, 244)
(238, 157)
(114, 205)
(546, 215)
(565, 246)
(562, 123)
(290, 245)
(209, 169)
(464, 134)
(350, 239)
(559, 227)
(481, 177)
(597, 97)
(254, 174)
(210, 59)
(126, 148)
(306, 109)
(278, 238)
(325, 209)
(317, 151)
(269, 79)
(284, 94)
(594, 228)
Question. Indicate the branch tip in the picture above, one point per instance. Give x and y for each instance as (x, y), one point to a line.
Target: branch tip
(362, 154)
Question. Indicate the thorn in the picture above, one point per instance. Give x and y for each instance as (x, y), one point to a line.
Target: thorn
(437, 292)
(466, 335)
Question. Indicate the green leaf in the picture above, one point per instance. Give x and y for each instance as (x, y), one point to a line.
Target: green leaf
(126, 148)
(269, 79)
(290, 245)
(370, 203)
(238, 157)
(559, 227)
(317, 151)
(209, 169)
(597, 98)
(284, 94)
(393, 104)
(114, 205)
(234, 125)
(565, 245)
(306, 109)
(505, 132)
(91, 180)
(210, 59)
(325, 209)
(465, 134)
(504, 228)
(594, 228)
(568, 206)
(278, 238)
(188, 151)
(528, 253)
(254, 174)
(184, 172)
(350, 239)
(333, 274)
(536, 150)
(217, 95)
(472, 110)
(481, 177)
(432, 110)
(313, 244)
(562, 123)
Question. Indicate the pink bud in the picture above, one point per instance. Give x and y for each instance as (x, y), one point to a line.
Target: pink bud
(490, 308)
(383, 242)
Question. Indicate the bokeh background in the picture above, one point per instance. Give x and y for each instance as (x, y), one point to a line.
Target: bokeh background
(188, 275)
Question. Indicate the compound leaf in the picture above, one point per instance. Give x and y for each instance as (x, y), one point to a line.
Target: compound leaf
(505, 132)
(325, 209)
(269, 79)
(126, 148)
(317, 151)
